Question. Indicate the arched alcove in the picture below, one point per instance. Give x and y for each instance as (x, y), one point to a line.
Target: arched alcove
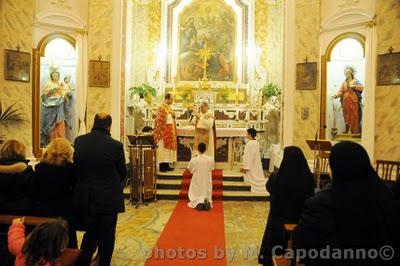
(55, 53)
(342, 97)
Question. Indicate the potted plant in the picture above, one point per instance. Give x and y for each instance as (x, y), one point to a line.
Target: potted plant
(144, 91)
(268, 91)
(10, 115)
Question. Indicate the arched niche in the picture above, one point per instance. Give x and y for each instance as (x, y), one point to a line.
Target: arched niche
(326, 103)
(38, 54)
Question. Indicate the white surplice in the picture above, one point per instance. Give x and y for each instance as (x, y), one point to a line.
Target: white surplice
(252, 163)
(206, 121)
(201, 183)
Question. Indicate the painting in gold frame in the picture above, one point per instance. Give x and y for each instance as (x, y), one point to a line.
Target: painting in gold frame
(388, 69)
(210, 24)
(306, 76)
(99, 73)
(17, 65)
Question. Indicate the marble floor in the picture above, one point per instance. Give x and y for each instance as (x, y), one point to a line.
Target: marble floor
(139, 229)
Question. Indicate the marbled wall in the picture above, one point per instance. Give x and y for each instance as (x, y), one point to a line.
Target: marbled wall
(261, 28)
(16, 29)
(99, 44)
(307, 45)
(387, 102)
(275, 17)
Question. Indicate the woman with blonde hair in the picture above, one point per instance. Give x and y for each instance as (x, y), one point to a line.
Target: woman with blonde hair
(55, 180)
(16, 180)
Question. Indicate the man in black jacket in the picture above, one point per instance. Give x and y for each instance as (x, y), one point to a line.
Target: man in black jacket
(100, 166)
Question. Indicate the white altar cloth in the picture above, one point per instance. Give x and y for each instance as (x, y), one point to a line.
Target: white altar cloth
(220, 132)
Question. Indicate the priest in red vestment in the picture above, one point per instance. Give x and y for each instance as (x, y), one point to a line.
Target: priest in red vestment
(165, 134)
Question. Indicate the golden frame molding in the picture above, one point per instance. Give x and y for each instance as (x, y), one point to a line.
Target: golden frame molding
(37, 53)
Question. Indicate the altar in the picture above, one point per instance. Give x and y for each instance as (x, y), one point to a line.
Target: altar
(228, 151)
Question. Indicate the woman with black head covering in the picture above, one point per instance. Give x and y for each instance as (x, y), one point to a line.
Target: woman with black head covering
(288, 188)
(357, 211)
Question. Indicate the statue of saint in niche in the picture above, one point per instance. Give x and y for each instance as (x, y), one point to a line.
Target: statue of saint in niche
(350, 95)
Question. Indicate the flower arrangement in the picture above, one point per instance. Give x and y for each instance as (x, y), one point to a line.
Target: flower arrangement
(186, 94)
(223, 94)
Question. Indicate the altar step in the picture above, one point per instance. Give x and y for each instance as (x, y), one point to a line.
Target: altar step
(234, 188)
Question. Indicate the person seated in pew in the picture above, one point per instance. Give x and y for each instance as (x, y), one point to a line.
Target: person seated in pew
(43, 246)
(289, 188)
(17, 190)
(55, 180)
(252, 167)
(200, 189)
(355, 212)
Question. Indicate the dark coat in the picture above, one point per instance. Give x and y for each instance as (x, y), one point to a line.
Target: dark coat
(17, 190)
(54, 185)
(317, 230)
(100, 169)
(279, 214)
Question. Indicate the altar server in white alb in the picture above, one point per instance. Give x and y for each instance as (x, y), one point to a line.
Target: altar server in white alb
(200, 189)
(252, 167)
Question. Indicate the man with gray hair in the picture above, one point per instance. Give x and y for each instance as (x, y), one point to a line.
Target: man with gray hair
(205, 130)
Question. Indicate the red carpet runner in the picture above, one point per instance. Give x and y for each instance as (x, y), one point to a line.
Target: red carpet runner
(193, 237)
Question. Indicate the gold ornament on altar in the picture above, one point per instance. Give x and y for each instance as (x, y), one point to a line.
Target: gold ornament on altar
(205, 54)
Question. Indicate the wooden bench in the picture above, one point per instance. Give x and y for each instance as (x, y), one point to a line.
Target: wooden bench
(29, 220)
(288, 234)
(282, 261)
(70, 255)
(388, 170)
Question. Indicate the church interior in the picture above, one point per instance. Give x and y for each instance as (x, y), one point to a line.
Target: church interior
(304, 73)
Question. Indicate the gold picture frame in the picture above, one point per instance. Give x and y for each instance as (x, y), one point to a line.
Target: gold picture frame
(388, 69)
(99, 73)
(17, 65)
(306, 76)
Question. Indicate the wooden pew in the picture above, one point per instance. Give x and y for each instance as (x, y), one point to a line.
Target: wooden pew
(288, 233)
(29, 220)
(281, 261)
(70, 255)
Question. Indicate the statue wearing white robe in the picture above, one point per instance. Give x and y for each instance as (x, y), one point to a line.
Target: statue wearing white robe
(253, 174)
(204, 133)
(200, 187)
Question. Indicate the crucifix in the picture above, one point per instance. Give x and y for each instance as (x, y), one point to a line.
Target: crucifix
(205, 54)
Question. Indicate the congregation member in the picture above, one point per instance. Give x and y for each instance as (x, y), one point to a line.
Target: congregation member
(43, 246)
(55, 180)
(17, 191)
(289, 188)
(204, 130)
(200, 189)
(165, 135)
(98, 197)
(252, 166)
(357, 212)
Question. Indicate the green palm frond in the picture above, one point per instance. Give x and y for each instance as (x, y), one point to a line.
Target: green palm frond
(11, 114)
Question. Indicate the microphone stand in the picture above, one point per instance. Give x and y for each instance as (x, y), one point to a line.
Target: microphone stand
(315, 158)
